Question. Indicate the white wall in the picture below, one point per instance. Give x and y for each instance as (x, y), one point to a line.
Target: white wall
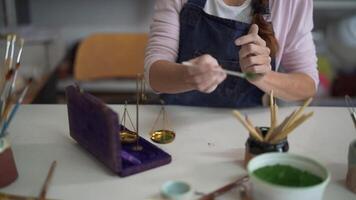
(71, 20)
(77, 18)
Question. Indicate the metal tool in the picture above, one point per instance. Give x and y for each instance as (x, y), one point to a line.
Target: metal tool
(139, 80)
(164, 135)
(351, 108)
(127, 136)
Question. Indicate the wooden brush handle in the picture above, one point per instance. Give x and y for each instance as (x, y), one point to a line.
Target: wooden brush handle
(224, 189)
(45, 186)
(16, 197)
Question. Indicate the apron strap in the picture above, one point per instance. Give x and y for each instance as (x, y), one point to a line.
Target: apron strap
(200, 3)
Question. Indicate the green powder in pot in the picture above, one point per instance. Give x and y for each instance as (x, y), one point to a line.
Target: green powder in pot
(287, 176)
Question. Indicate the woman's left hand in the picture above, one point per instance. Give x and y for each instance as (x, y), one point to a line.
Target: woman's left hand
(254, 54)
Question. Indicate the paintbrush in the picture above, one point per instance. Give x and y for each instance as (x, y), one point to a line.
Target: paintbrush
(6, 60)
(7, 100)
(4, 196)
(6, 91)
(226, 188)
(6, 122)
(3, 79)
(43, 193)
(10, 79)
(6, 110)
(12, 52)
(245, 75)
(17, 66)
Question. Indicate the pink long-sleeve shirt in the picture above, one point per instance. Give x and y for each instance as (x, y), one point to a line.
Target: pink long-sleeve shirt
(292, 22)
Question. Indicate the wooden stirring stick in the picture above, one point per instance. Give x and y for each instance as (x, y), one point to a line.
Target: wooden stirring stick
(271, 104)
(258, 131)
(280, 132)
(273, 113)
(299, 111)
(293, 126)
(251, 130)
(45, 186)
(270, 135)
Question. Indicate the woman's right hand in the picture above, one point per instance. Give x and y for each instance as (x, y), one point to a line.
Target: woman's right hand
(203, 73)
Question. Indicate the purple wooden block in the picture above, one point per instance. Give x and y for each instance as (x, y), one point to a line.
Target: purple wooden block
(96, 128)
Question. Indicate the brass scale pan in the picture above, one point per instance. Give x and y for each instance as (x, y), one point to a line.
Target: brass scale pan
(162, 136)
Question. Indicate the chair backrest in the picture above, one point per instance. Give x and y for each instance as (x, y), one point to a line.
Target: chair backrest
(110, 55)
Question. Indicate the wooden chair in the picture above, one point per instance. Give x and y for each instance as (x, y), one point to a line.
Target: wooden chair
(110, 55)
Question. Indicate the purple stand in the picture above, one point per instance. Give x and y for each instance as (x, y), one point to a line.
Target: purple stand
(96, 128)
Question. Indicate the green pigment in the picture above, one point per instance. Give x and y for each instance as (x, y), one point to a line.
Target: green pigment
(287, 176)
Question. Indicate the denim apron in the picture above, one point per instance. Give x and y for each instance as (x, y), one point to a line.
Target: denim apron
(201, 33)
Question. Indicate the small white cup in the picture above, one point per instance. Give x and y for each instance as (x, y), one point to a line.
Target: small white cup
(263, 190)
(177, 190)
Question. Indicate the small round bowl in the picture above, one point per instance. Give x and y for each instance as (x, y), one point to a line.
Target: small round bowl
(176, 190)
(263, 190)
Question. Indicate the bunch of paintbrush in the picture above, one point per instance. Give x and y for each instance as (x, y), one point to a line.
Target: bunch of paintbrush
(276, 132)
(9, 102)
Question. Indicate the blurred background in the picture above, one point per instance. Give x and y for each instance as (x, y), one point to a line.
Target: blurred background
(100, 44)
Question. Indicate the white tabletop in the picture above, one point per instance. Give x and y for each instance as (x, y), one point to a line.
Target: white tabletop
(207, 153)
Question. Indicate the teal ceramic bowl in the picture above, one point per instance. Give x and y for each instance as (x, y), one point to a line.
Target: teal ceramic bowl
(176, 190)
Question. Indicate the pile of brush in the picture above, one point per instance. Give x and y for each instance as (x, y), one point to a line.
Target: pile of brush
(276, 132)
(9, 100)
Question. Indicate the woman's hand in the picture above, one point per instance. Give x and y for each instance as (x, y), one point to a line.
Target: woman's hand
(254, 54)
(204, 73)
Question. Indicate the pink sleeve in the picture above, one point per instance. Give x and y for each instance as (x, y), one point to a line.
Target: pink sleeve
(299, 54)
(164, 33)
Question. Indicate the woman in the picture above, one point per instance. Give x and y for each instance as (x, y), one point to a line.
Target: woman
(242, 35)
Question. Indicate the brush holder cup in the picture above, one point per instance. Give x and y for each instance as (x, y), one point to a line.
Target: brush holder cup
(351, 174)
(254, 147)
(8, 171)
